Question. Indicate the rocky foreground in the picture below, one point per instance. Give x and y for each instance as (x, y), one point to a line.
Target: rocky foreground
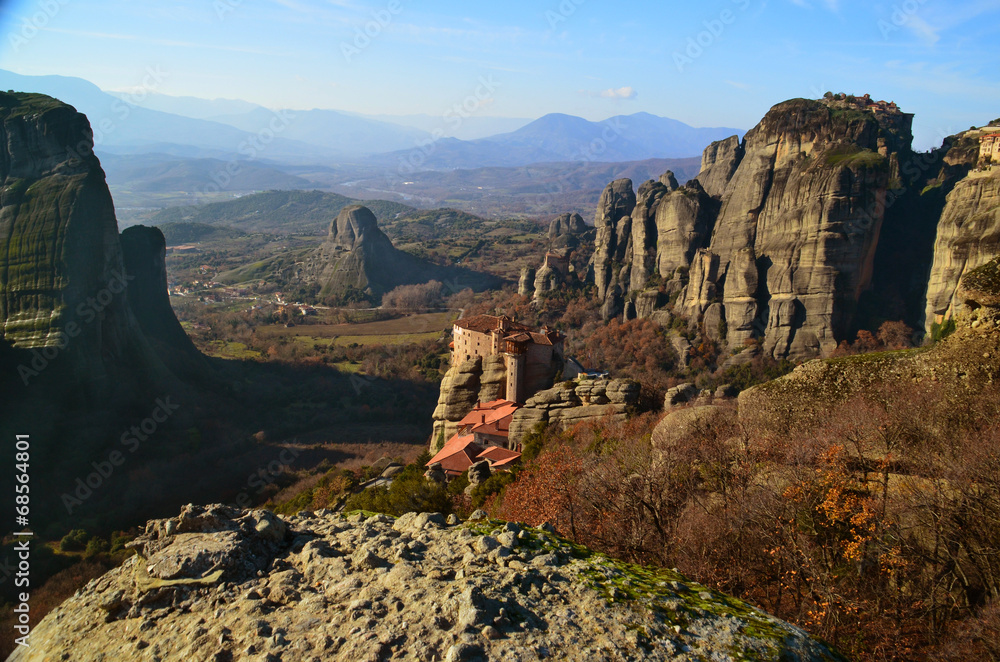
(218, 583)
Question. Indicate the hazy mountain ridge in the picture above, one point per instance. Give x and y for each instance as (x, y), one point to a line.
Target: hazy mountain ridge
(143, 119)
(155, 173)
(560, 137)
(283, 212)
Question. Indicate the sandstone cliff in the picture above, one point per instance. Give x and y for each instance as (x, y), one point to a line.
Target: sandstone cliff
(144, 256)
(961, 366)
(66, 287)
(464, 385)
(776, 237)
(218, 583)
(570, 403)
(968, 236)
(88, 340)
(358, 259)
(614, 229)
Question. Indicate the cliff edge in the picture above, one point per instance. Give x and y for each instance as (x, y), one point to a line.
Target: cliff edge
(217, 583)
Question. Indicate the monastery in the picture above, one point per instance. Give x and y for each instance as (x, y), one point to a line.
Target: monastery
(529, 357)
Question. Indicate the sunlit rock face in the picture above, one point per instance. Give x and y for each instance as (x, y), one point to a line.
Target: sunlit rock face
(776, 237)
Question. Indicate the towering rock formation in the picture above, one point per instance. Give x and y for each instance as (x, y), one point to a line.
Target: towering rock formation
(968, 234)
(356, 256)
(358, 259)
(144, 255)
(777, 234)
(683, 224)
(642, 254)
(566, 233)
(89, 345)
(466, 383)
(718, 165)
(65, 286)
(614, 211)
(567, 224)
(526, 283)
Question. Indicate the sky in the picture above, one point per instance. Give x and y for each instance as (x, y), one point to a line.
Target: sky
(714, 63)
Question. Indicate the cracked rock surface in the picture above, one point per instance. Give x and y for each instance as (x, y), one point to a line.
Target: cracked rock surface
(218, 583)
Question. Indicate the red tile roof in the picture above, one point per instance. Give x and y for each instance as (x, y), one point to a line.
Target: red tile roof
(499, 428)
(491, 418)
(550, 338)
(457, 455)
(496, 454)
(488, 323)
(505, 464)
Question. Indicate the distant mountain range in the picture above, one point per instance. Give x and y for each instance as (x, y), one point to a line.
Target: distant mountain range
(188, 127)
(559, 137)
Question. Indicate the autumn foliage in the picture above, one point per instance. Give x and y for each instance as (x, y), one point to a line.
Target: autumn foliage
(877, 528)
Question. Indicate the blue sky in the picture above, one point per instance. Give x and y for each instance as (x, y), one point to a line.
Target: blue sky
(716, 63)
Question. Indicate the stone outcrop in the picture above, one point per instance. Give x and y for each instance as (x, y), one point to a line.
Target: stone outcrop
(569, 403)
(88, 339)
(683, 224)
(807, 198)
(144, 256)
(58, 228)
(960, 367)
(218, 583)
(66, 287)
(777, 234)
(968, 236)
(567, 224)
(668, 180)
(463, 386)
(357, 255)
(718, 165)
(546, 280)
(613, 216)
(526, 283)
(358, 258)
(680, 394)
(980, 288)
(642, 247)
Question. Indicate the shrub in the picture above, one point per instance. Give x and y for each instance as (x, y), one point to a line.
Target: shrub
(96, 546)
(495, 484)
(943, 330)
(409, 492)
(74, 541)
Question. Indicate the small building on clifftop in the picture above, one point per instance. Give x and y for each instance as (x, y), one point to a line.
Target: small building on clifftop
(529, 356)
(989, 149)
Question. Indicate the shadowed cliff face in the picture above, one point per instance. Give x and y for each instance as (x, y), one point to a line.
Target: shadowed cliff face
(58, 234)
(74, 360)
(968, 234)
(67, 292)
(144, 254)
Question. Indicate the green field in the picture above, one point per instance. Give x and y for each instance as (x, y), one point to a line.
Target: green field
(399, 331)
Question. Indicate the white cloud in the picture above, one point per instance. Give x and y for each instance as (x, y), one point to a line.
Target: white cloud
(922, 29)
(620, 93)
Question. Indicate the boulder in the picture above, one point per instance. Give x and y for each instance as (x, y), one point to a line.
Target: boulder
(570, 403)
(679, 394)
(479, 473)
(436, 473)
